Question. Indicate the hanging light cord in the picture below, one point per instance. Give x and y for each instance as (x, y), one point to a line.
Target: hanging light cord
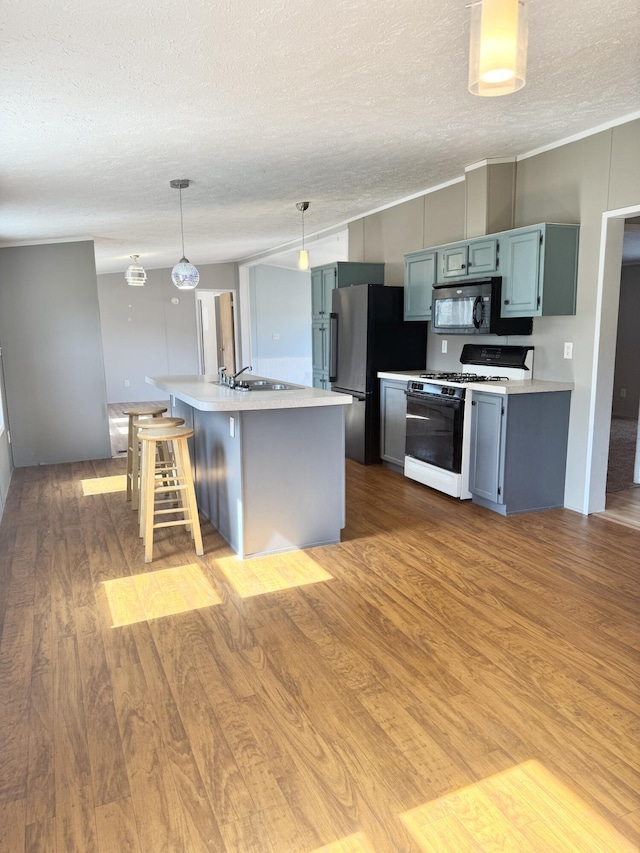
(303, 230)
(181, 222)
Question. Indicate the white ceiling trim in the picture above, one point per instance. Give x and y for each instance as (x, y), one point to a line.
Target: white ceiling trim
(577, 136)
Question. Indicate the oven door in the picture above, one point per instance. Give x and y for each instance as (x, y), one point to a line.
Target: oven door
(434, 430)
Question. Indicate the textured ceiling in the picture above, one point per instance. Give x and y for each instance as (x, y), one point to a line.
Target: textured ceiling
(351, 105)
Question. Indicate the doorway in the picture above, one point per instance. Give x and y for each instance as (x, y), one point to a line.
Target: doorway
(623, 470)
(602, 394)
(216, 328)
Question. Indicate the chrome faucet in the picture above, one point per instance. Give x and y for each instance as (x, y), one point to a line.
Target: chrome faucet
(230, 381)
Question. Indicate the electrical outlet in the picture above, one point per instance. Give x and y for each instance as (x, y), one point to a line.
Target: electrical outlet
(568, 349)
(275, 336)
(623, 392)
(444, 346)
(126, 383)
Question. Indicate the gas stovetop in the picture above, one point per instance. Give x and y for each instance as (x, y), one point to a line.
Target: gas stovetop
(462, 377)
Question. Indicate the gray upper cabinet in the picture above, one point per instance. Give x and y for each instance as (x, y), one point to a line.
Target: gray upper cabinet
(538, 265)
(339, 274)
(323, 281)
(483, 257)
(539, 270)
(419, 277)
(453, 261)
(476, 257)
(427, 267)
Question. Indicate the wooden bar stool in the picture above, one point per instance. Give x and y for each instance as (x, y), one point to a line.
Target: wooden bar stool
(162, 450)
(159, 479)
(133, 458)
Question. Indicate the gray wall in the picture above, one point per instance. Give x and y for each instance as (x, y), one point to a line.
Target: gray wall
(144, 334)
(52, 354)
(577, 183)
(627, 370)
(281, 305)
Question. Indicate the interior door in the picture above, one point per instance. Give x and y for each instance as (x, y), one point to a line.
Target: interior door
(226, 336)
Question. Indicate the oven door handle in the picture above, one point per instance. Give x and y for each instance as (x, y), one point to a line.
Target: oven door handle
(440, 400)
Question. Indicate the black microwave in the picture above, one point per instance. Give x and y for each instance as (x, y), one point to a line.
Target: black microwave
(473, 308)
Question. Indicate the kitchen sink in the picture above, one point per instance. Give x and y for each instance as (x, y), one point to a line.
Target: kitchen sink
(262, 385)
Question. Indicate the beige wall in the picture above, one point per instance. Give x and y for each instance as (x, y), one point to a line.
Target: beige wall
(385, 237)
(576, 182)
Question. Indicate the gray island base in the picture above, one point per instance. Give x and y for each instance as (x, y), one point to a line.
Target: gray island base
(269, 467)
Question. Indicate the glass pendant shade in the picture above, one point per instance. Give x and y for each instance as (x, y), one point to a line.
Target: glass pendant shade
(498, 47)
(135, 274)
(184, 275)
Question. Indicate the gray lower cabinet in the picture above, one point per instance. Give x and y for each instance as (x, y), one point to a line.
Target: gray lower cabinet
(519, 450)
(320, 345)
(393, 414)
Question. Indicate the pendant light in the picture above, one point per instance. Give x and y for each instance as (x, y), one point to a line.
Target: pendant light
(303, 257)
(135, 274)
(498, 47)
(184, 275)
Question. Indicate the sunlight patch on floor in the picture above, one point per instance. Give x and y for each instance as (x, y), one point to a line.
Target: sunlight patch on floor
(270, 574)
(104, 485)
(353, 844)
(153, 595)
(524, 809)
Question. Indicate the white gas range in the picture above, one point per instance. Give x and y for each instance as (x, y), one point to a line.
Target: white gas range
(438, 439)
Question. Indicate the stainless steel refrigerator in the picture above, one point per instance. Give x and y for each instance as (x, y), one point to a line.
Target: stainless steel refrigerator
(368, 334)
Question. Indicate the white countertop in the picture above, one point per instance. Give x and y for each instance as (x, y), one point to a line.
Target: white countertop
(512, 386)
(206, 394)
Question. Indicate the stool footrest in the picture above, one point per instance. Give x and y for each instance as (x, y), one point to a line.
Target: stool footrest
(179, 523)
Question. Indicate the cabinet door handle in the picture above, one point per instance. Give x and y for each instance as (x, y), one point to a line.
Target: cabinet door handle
(462, 266)
(506, 301)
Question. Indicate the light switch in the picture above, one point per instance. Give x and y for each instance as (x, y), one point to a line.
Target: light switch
(275, 336)
(568, 349)
(232, 427)
(444, 345)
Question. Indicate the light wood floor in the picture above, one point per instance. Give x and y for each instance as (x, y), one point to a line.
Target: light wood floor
(445, 679)
(623, 507)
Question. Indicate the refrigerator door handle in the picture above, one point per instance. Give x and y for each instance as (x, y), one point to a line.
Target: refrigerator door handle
(333, 347)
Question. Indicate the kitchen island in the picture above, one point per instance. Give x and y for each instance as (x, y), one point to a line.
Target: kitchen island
(269, 465)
